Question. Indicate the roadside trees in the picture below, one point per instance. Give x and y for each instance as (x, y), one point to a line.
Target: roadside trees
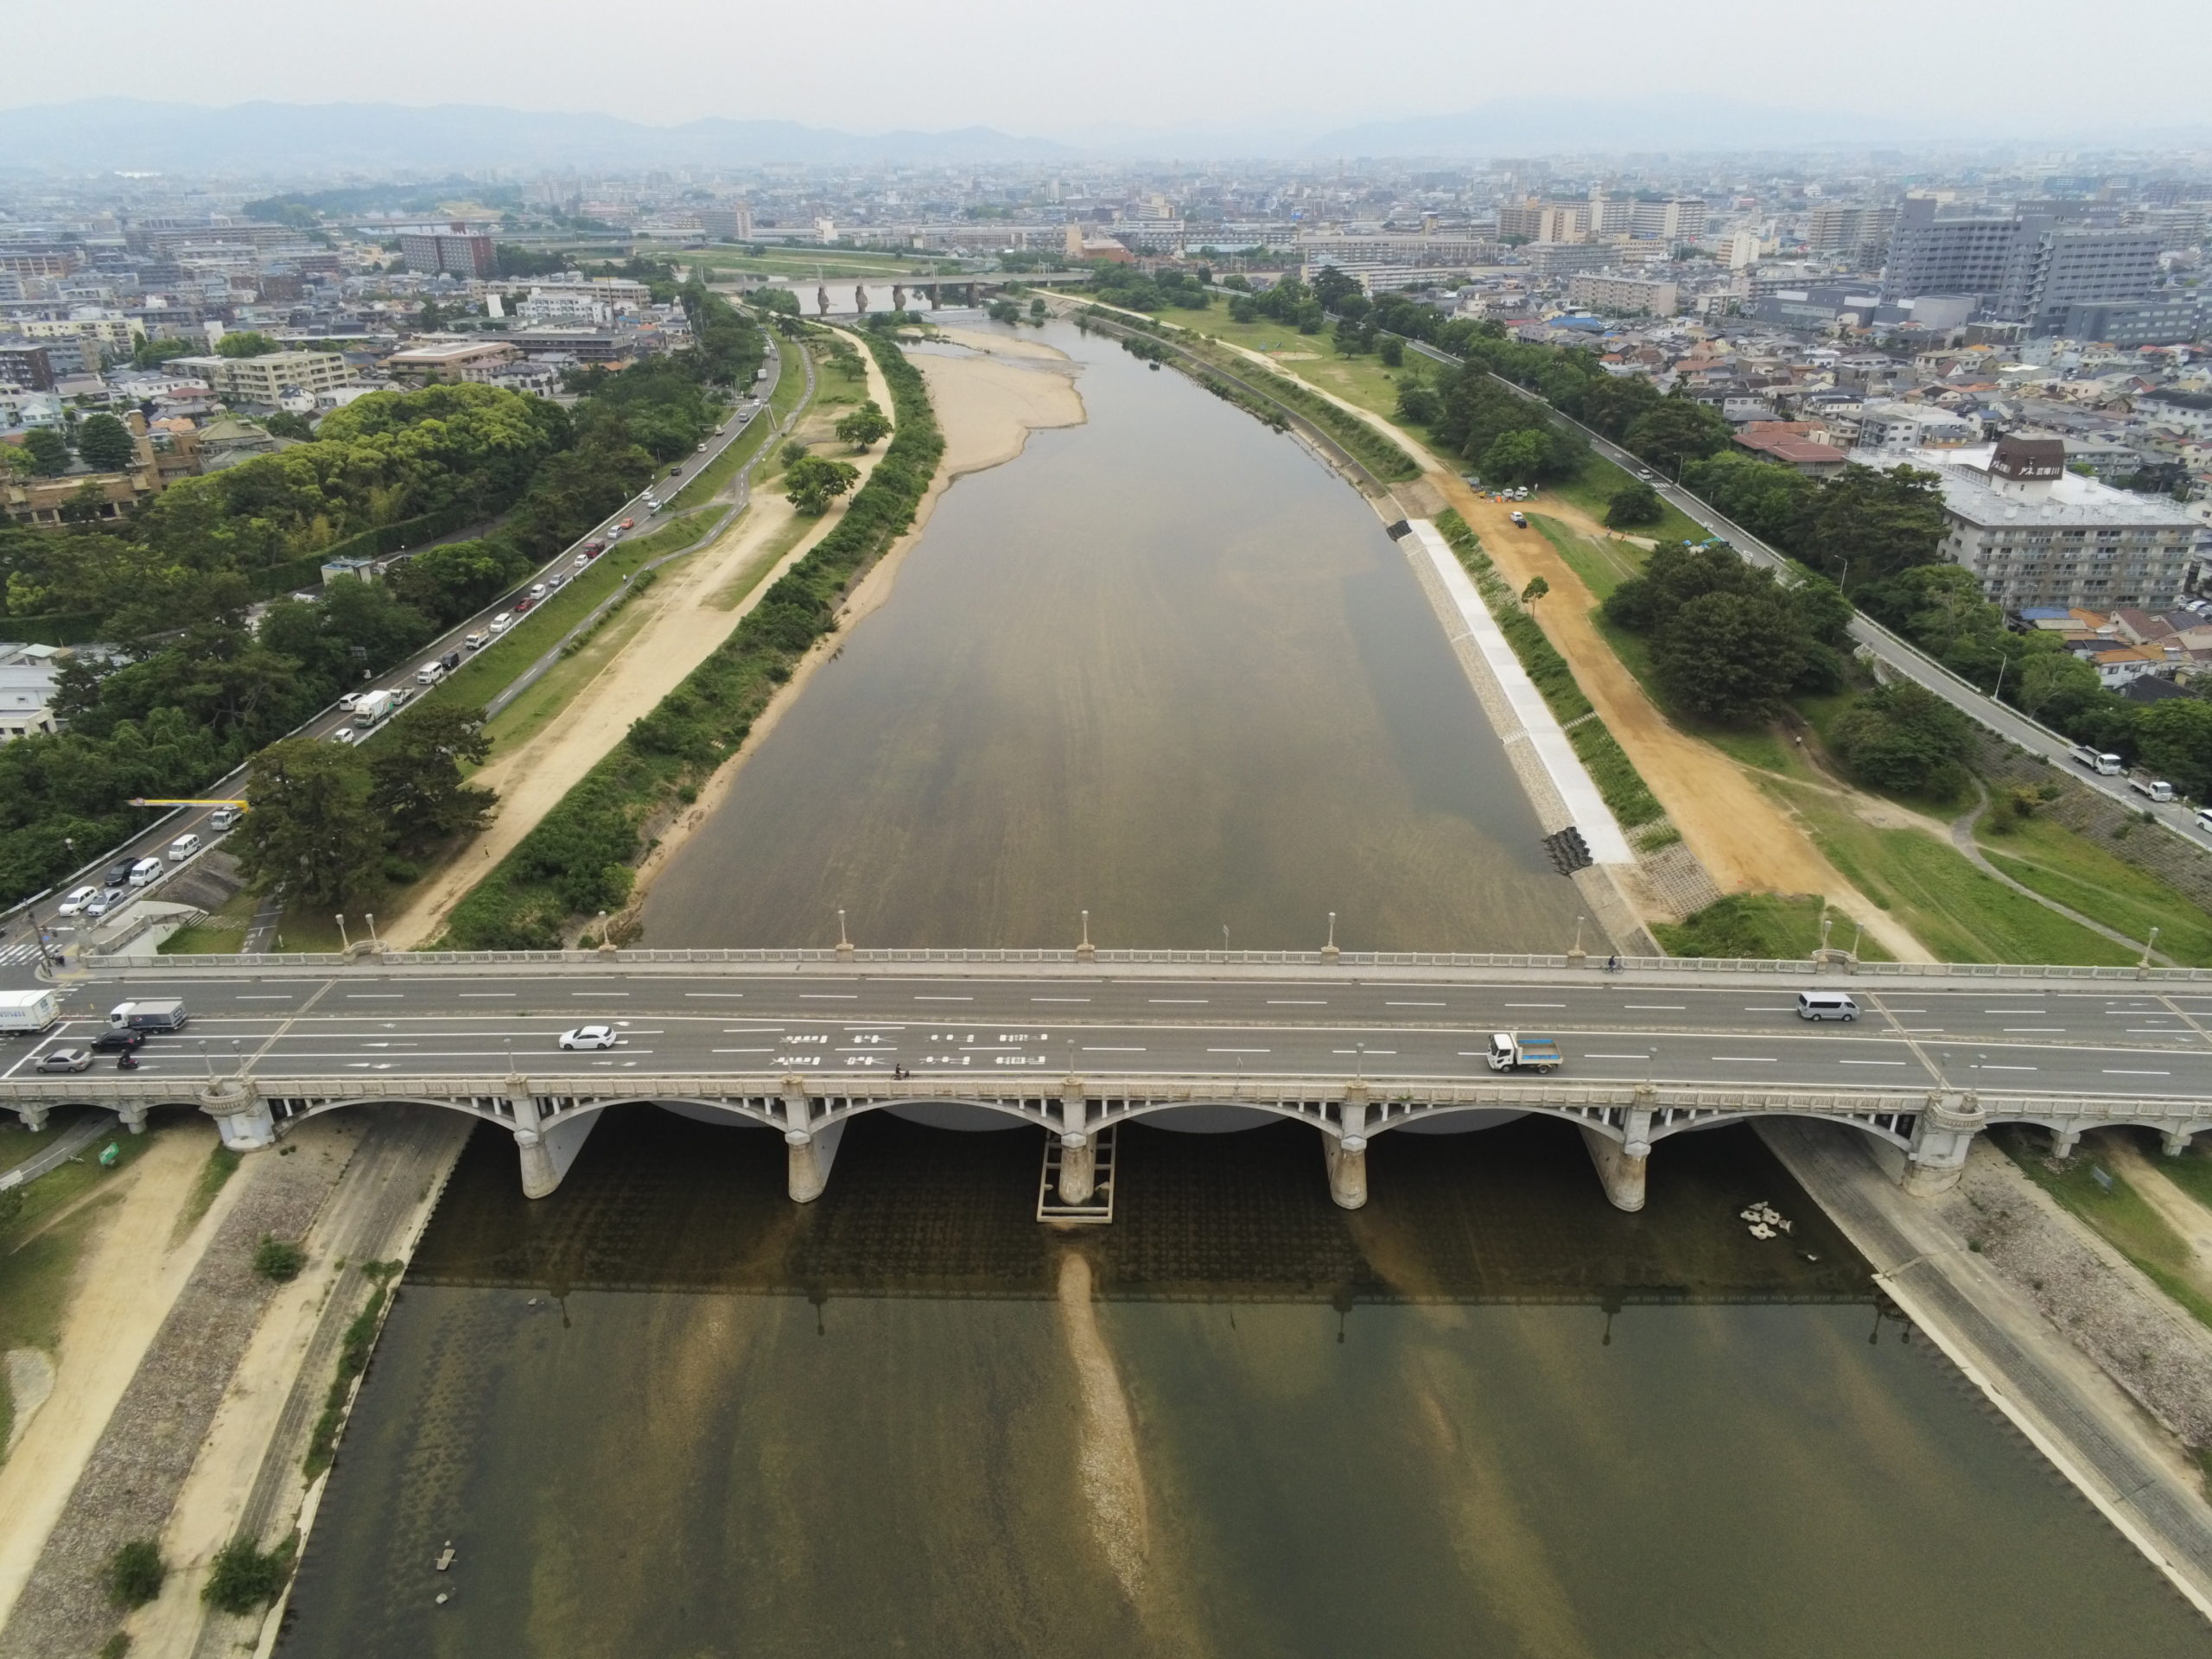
(1677, 429)
(813, 482)
(2174, 739)
(312, 827)
(1905, 737)
(415, 779)
(1632, 504)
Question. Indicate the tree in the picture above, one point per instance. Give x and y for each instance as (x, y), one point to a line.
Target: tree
(312, 828)
(278, 1259)
(415, 776)
(1730, 656)
(285, 424)
(105, 443)
(246, 343)
(1536, 589)
(1391, 350)
(2174, 739)
(152, 353)
(1905, 737)
(1676, 429)
(2055, 685)
(864, 425)
(243, 1578)
(1634, 504)
(1881, 523)
(48, 450)
(813, 482)
(1516, 458)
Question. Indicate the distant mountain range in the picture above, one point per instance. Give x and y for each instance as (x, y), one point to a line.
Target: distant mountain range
(292, 140)
(132, 134)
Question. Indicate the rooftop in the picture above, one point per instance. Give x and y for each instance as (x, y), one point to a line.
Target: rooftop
(2072, 499)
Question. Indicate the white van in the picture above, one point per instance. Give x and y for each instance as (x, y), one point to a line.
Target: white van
(146, 870)
(502, 622)
(2204, 819)
(183, 847)
(222, 818)
(429, 673)
(1826, 1005)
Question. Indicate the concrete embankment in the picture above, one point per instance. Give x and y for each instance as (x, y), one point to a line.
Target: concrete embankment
(2096, 1434)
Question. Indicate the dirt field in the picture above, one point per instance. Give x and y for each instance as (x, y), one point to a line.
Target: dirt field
(130, 1276)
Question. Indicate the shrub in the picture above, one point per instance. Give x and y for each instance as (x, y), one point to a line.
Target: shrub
(135, 1573)
(1632, 504)
(278, 1259)
(244, 1579)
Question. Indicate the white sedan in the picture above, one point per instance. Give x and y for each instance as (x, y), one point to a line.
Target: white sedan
(589, 1037)
(74, 904)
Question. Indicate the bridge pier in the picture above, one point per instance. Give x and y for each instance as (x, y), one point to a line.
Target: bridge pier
(242, 1117)
(810, 1151)
(1621, 1164)
(1942, 1136)
(1345, 1151)
(34, 1114)
(1078, 1151)
(2174, 1142)
(546, 1151)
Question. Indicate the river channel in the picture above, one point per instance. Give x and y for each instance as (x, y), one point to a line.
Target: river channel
(666, 1412)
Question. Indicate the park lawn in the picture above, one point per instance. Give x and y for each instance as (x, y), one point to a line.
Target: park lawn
(1961, 913)
(490, 671)
(1602, 564)
(222, 934)
(2122, 1215)
(2069, 867)
(309, 932)
(1364, 381)
(1593, 491)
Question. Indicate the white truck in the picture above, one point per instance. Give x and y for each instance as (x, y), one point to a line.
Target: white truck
(2143, 783)
(29, 1010)
(371, 707)
(153, 1013)
(1513, 1050)
(2097, 760)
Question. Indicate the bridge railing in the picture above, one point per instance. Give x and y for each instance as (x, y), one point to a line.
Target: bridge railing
(1068, 957)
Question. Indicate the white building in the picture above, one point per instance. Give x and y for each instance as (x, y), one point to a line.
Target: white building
(1914, 426)
(2036, 535)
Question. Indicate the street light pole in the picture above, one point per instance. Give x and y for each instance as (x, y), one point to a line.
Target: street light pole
(2148, 945)
(344, 943)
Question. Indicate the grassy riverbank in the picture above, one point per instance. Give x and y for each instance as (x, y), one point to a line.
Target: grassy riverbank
(581, 857)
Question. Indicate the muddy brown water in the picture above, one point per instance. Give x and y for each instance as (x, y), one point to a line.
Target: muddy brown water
(666, 1412)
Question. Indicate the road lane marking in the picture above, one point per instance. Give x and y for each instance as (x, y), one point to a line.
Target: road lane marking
(1087, 1049)
(1059, 998)
(1237, 1051)
(822, 996)
(258, 996)
(1870, 1062)
(1297, 1002)
(2008, 1068)
(1178, 1002)
(1369, 1050)
(1657, 1008)
(944, 999)
(1468, 1052)
(741, 1051)
(2159, 1031)
(1747, 1059)
(1535, 1005)
(375, 996)
(1762, 1008)
(2119, 1071)
(1414, 1005)
(2016, 1010)
(736, 995)
(598, 993)
(2014, 1030)
(465, 995)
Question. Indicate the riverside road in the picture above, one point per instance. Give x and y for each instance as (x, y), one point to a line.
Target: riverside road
(2116, 1038)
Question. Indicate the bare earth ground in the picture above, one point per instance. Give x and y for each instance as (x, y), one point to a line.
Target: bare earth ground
(680, 629)
(986, 406)
(129, 1277)
(1745, 839)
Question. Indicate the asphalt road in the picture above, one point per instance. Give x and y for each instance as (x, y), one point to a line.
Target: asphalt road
(2105, 1041)
(19, 951)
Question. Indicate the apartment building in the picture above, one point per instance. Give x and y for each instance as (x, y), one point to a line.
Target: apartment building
(478, 361)
(1625, 295)
(2028, 267)
(456, 252)
(2036, 535)
(266, 379)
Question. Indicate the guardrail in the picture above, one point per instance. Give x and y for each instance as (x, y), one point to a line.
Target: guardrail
(1074, 956)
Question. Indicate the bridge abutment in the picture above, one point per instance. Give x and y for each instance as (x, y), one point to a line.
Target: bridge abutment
(242, 1117)
(1621, 1164)
(1942, 1136)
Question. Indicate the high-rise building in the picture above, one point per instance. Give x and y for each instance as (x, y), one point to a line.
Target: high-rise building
(457, 252)
(2020, 267)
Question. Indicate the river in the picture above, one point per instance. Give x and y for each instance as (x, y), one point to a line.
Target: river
(666, 1412)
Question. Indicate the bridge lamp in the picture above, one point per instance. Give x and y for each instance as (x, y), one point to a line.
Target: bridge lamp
(207, 1063)
(344, 943)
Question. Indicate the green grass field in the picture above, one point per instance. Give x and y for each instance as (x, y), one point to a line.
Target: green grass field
(1762, 926)
(1602, 564)
(222, 934)
(1593, 492)
(1959, 912)
(2081, 876)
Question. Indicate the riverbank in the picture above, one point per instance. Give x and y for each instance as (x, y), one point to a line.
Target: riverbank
(986, 404)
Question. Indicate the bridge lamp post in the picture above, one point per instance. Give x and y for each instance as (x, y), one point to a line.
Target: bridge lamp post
(1224, 941)
(2149, 944)
(206, 1063)
(344, 943)
(372, 927)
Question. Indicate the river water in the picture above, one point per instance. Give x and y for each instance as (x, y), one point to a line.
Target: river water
(666, 1412)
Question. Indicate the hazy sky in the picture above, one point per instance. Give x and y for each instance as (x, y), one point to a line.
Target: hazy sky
(2016, 67)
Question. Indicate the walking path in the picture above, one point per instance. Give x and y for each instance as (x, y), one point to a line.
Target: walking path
(1962, 837)
(2009, 1347)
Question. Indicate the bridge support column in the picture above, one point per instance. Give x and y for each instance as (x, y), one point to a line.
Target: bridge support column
(1345, 1151)
(810, 1151)
(2063, 1142)
(242, 1117)
(2175, 1141)
(1078, 1152)
(546, 1151)
(34, 1116)
(133, 1117)
(1942, 1136)
(1621, 1164)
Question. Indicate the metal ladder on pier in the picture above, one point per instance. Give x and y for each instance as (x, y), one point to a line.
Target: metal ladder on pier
(1095, 1211)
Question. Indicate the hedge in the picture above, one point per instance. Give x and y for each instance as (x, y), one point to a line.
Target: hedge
(1623, 787)
(581, 857)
